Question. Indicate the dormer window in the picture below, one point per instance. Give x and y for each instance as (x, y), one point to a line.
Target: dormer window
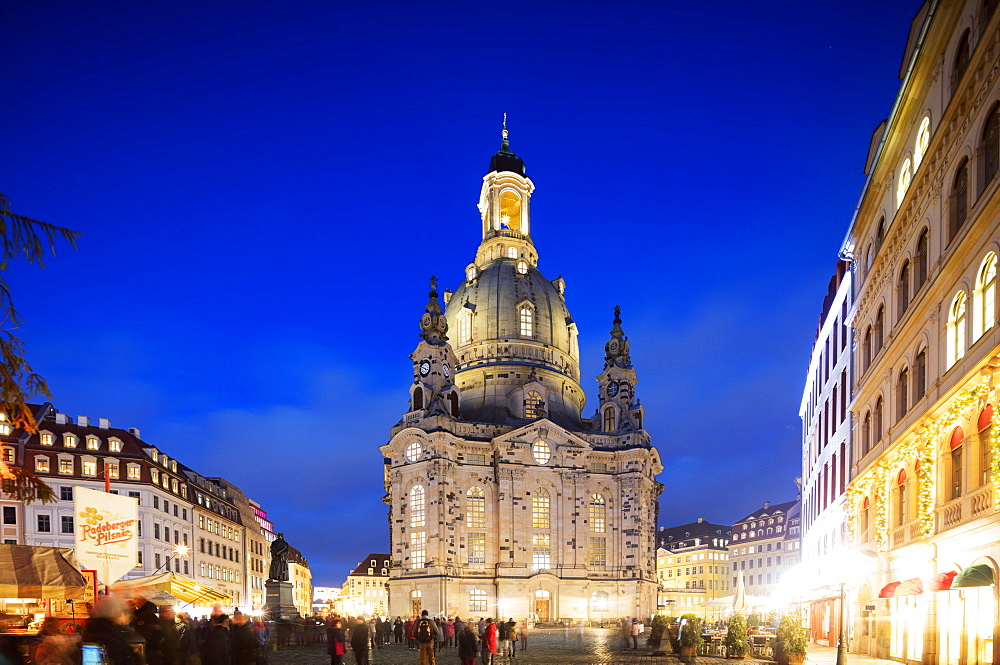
(93, 443)
(470, 273)
(114, 445)
(155, 475)
(46, 438)
(165, 461)
(526, 317)
(69, 440)
(5, 427)
(155, 455)
(173, 466)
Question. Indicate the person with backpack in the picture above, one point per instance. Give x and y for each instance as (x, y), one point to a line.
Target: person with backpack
(425, 632)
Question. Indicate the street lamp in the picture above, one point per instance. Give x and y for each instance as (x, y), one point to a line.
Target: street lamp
(841, 644)
(179, 551)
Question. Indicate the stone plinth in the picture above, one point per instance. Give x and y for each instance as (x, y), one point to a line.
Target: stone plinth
(279, 603)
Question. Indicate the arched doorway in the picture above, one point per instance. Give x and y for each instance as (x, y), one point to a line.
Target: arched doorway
(415, 607)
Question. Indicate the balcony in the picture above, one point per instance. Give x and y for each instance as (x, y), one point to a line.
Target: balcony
(965, 508)
(906, 533)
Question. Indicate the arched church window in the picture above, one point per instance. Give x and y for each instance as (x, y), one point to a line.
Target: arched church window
(905, 176)
(598, 514)
(609, 419)
(477, 600)
(991, 145)
(534, 406)
(418, 507)
(475, 507)
(453, 403)
(959, 200)
(418, 399)
(961, 62)
(540, 510)
(510, 211)
(527, 319)
(465, 327)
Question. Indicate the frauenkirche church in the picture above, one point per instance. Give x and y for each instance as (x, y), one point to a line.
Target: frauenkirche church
(504, 500)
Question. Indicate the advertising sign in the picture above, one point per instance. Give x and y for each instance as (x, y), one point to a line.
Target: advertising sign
(107, 533)
(77, 609)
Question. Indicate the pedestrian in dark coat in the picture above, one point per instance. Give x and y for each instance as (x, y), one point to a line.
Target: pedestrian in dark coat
(397, 630)
(468, 645)
(108, 626)
(246, 648)
(360, 639)
(146, 623)
(171, 648)
(216, 647)
(336, 643)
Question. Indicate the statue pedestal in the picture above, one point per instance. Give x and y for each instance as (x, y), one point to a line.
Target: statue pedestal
(279, 601)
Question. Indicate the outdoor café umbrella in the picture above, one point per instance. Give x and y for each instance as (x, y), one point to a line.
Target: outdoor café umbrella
(40, 572)
(740, 598)
(979, 575)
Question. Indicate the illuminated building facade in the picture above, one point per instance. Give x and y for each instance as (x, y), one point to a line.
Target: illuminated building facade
(365, 591)
(300, 576)
(764, 545)
(922, 501)
(692, 567)
(504, 500)
(826, 451)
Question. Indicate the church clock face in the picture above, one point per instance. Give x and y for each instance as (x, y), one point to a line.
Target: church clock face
(446, 370)
(425, 367)
(413, 450)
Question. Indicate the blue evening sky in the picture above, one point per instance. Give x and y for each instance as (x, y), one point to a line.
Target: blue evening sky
(265, 187)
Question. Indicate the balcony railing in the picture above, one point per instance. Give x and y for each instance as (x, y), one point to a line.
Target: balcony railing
(965, 508)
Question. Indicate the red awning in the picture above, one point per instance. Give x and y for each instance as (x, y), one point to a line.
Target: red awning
(889, 590)
(942, 581)
(910, 587)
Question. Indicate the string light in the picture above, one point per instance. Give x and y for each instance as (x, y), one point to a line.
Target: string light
(921, 447)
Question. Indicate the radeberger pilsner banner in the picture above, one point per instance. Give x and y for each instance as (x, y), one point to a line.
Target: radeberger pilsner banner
(107, 532)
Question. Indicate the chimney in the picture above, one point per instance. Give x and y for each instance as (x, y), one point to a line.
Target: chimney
(767, 504)
(134, 431)
(104, 423)
(61, 419)
(83, 421)
(701, 520)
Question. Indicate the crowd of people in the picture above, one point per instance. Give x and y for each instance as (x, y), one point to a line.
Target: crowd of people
(480, 640)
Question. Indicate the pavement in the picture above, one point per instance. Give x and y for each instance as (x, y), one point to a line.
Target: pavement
(592, 646)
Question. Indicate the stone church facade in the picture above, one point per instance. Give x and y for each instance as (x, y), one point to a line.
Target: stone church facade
(503, 500)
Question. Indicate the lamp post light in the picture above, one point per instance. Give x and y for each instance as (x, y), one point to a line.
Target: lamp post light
(179, 551)
(841, 645)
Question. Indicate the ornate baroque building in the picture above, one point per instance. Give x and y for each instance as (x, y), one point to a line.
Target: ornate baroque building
(504, 500)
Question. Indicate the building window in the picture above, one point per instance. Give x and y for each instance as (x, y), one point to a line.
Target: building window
(46, 438)
(920, 375)
(114, 445)
(986, 295)
(901, 498)
(42, 464)
(921, 260)
(956, 463)
(541, 551)
(67, 523)
(922, 142)
(866, 434)
(522, 267)
(418, 507)
(877, 421)
(956, 329)
(526, 316)
(597, 554)
(475, 544)
(66, 465)
(540, 509)
(905, 176)
(903, 291)
(879, 331)
(991, 145)
(902, 393)
(866, 349)
(89, 467)
(541, 451)
(133, 472)
(418, 549)
(111, 468)
(44, 524)
(69, 440)
(609, 419)
(599, 601)
(475, 507)
(959, 200)
(598, 514)
(985, 426)
(477, 600)
(93, 443)
(961, 61)
(534, 406)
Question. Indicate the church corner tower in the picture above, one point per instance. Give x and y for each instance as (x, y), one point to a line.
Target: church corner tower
(504, 500)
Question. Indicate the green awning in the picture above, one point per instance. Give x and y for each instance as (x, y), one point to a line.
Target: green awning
(978, 575)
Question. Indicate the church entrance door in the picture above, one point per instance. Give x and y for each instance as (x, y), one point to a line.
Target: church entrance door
(542, 609)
